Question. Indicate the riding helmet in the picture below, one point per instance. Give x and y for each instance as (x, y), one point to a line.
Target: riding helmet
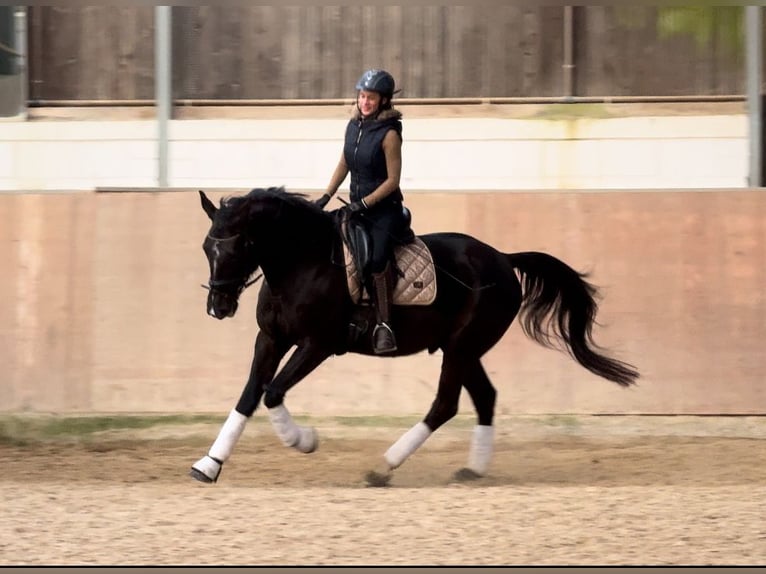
(378, 81)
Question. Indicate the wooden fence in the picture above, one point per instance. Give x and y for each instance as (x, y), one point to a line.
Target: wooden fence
(287, 52)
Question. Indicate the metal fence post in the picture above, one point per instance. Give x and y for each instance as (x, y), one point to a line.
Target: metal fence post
(20, 21)
(754, 59)
(569, 63)
(162, 84)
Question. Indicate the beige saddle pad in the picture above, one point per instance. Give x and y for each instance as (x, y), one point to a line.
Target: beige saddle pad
(417, 286)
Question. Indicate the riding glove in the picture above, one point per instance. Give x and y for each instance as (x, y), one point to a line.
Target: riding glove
(357, 206)
(324, 200)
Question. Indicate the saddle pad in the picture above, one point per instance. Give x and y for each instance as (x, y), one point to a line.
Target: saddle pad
(414, 272)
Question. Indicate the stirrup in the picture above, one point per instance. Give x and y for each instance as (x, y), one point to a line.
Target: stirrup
(386, 343)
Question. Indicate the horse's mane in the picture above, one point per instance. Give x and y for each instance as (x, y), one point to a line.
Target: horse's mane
(234, 206)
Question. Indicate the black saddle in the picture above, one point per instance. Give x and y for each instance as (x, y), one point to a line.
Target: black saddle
(359, 242)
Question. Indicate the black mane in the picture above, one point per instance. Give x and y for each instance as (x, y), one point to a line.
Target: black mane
(235, 210)
(258, 194)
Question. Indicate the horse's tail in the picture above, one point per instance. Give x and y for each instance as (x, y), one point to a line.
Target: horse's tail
(559, 306)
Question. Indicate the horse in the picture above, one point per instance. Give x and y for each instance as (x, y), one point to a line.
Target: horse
(304, 303)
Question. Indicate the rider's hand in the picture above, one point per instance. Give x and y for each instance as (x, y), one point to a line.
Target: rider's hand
(324, 200)
(357, 206)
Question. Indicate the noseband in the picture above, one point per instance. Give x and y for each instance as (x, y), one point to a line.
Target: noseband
(241, 282)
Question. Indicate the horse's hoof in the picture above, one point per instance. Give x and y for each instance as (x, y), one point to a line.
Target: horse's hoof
(377, 479)
(466, 475)
(207, 470)
(201, 476)
(308, 441)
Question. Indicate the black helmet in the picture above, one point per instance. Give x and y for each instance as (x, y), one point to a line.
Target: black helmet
(378, 81)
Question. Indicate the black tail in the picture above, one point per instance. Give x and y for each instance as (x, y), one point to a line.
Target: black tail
(560, 306)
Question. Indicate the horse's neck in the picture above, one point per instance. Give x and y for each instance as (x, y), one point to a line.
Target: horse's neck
(293, 254)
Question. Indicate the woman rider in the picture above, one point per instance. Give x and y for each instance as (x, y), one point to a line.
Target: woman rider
(372, 154)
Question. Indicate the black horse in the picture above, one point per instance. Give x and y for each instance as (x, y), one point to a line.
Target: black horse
(304, 302)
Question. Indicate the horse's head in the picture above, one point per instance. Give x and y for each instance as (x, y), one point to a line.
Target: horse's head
(267, 228)
(230, 256)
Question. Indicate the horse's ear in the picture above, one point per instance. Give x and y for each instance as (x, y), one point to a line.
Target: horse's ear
(207, 205)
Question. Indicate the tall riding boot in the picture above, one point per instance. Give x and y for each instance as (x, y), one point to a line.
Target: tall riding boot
(383, 340)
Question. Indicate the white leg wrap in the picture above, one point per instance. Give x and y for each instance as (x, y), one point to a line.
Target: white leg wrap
(284, 425)
(408, 443)
(302, 438)
(482, 444)
(228, 436)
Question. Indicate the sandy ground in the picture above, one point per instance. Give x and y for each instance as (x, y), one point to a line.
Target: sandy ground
(561, 490)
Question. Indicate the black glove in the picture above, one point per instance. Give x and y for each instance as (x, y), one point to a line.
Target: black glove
(324, 200)
(356, 207)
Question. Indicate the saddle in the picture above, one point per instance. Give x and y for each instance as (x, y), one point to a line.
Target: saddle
(413, 265)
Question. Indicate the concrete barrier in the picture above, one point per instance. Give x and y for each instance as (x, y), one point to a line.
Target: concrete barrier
(102, 309)
(477, 150)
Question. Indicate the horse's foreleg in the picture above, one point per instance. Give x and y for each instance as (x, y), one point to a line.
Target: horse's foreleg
(301, 438)
(266, 359)
(208, 468)
(304, 360)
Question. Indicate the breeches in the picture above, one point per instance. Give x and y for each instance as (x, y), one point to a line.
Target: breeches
(384, 225)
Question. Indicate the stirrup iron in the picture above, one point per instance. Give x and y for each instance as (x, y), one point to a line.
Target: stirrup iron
(383, 340)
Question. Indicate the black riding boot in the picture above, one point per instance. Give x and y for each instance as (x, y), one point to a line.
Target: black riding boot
(383, 340)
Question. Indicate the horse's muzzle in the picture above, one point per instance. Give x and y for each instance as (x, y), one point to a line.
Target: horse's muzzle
(221, 305)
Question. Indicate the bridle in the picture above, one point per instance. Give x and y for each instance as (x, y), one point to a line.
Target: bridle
(242, 283)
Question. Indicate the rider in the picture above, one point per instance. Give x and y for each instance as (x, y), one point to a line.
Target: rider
(372, 153)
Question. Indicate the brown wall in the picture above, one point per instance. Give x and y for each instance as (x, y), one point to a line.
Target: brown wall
(101, 309)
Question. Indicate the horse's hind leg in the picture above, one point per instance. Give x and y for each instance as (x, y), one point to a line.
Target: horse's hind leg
(444, 407)
(483, 396)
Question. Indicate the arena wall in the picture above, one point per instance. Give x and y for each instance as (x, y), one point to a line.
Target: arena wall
(465, 148)
(102, 310)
